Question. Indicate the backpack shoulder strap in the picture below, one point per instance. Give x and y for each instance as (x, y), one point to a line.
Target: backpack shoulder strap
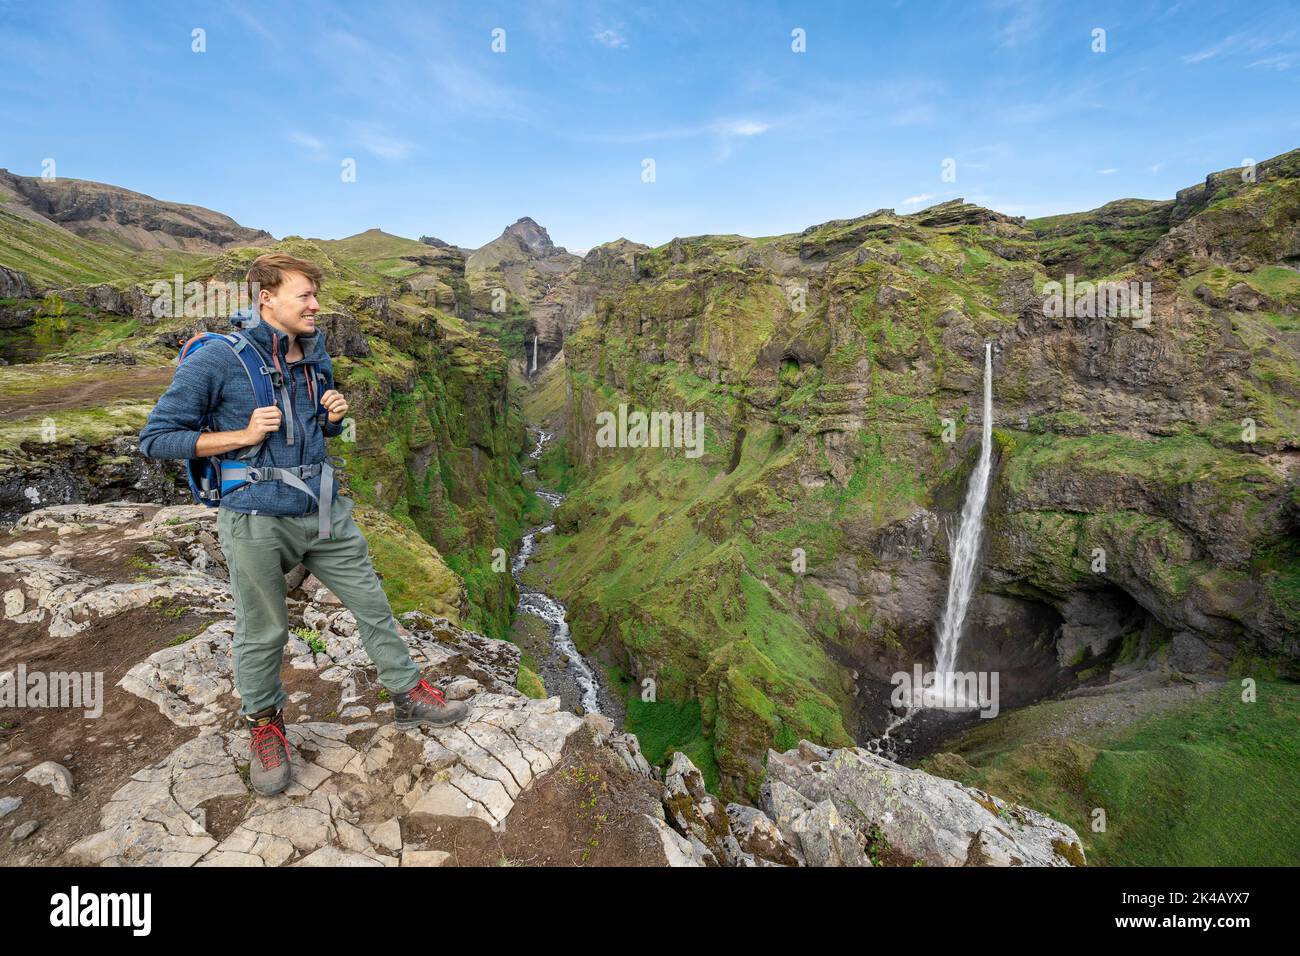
(259, 376)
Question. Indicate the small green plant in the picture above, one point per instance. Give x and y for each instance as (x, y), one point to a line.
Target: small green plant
(167, 608)
(182, 639)
(312, 638)
(877, 846)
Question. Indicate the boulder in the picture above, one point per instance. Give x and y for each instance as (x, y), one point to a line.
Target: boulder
(904, 814)
(697, 814)
(14, 284)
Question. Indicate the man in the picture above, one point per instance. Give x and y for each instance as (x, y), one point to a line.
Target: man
(273, 522)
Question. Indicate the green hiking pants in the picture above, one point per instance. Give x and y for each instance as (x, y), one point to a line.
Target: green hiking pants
(260, 550)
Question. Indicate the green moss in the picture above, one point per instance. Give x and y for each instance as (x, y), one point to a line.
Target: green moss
(530, 684)
(1206, 784)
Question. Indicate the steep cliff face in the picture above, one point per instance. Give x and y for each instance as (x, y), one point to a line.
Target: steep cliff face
(1145, 499)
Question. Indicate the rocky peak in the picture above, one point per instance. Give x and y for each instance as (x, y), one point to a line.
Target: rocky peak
(958, 212)
(534, 237)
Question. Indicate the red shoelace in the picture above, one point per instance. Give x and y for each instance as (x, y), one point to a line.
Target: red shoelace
(423, 693)
(264, 743)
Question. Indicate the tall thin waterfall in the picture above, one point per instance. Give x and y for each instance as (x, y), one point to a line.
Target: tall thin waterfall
(534, 372)
(965, 552)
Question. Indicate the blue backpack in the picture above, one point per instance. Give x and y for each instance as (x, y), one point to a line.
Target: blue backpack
(204, 474)
(212, 478)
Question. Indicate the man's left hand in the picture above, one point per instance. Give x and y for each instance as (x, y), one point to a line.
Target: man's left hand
(335, 404)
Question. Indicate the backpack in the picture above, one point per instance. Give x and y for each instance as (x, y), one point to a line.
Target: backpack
(210, 478)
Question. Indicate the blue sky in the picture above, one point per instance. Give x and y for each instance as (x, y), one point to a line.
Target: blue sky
(747, 136)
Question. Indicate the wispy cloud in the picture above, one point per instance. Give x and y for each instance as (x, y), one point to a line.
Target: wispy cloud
(741, 127)
(917, 200)
(458, 84)
(721, 128)
(1108, 171)
(1023, 22)
(306, 141)
(378, 142)
(611, 37)
(253, 23)
(1283, 61)
(1239, 43)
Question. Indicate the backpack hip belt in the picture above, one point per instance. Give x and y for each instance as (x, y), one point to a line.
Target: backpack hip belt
(235, 474)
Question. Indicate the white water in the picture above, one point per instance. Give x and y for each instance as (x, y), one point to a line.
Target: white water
(941, 690)
(534, 371)
(547, 608)
(966, 550)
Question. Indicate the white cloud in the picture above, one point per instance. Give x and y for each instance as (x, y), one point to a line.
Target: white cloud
(915, 200)
(1023, 25)
(610, 37)
(378, 142)
(1282, 61)
(306, 141)
(1236, 43)
(742, 127)
(724, 129)
(1108, 171)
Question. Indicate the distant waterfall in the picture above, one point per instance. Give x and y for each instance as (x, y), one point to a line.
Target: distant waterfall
(965, 552)
(534, 371)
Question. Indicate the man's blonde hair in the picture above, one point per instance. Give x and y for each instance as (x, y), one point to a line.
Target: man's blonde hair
(269, 271)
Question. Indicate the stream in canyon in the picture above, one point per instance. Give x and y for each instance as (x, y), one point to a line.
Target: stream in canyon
(561, 666)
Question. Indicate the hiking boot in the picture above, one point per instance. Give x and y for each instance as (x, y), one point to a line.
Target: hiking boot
(268, 769)
(423, 704)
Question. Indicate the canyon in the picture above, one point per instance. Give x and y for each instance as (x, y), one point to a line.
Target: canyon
(1140, 556)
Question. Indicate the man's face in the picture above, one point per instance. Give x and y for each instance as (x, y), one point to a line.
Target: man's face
(293, 306)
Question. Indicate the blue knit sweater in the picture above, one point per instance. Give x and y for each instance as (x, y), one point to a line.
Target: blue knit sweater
(213, 380)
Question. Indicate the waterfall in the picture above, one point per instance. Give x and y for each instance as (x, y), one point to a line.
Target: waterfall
(534, 372)
(965, 551)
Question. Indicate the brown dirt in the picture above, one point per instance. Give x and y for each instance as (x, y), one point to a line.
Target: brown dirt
(587, 811)
(103, 752)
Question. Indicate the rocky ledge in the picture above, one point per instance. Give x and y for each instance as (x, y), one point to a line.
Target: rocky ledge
(160, 775)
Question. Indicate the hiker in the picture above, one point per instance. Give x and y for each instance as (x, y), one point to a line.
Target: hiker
(252, 425)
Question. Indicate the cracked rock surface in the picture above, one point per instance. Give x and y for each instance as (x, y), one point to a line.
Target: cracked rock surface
(162, 778)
